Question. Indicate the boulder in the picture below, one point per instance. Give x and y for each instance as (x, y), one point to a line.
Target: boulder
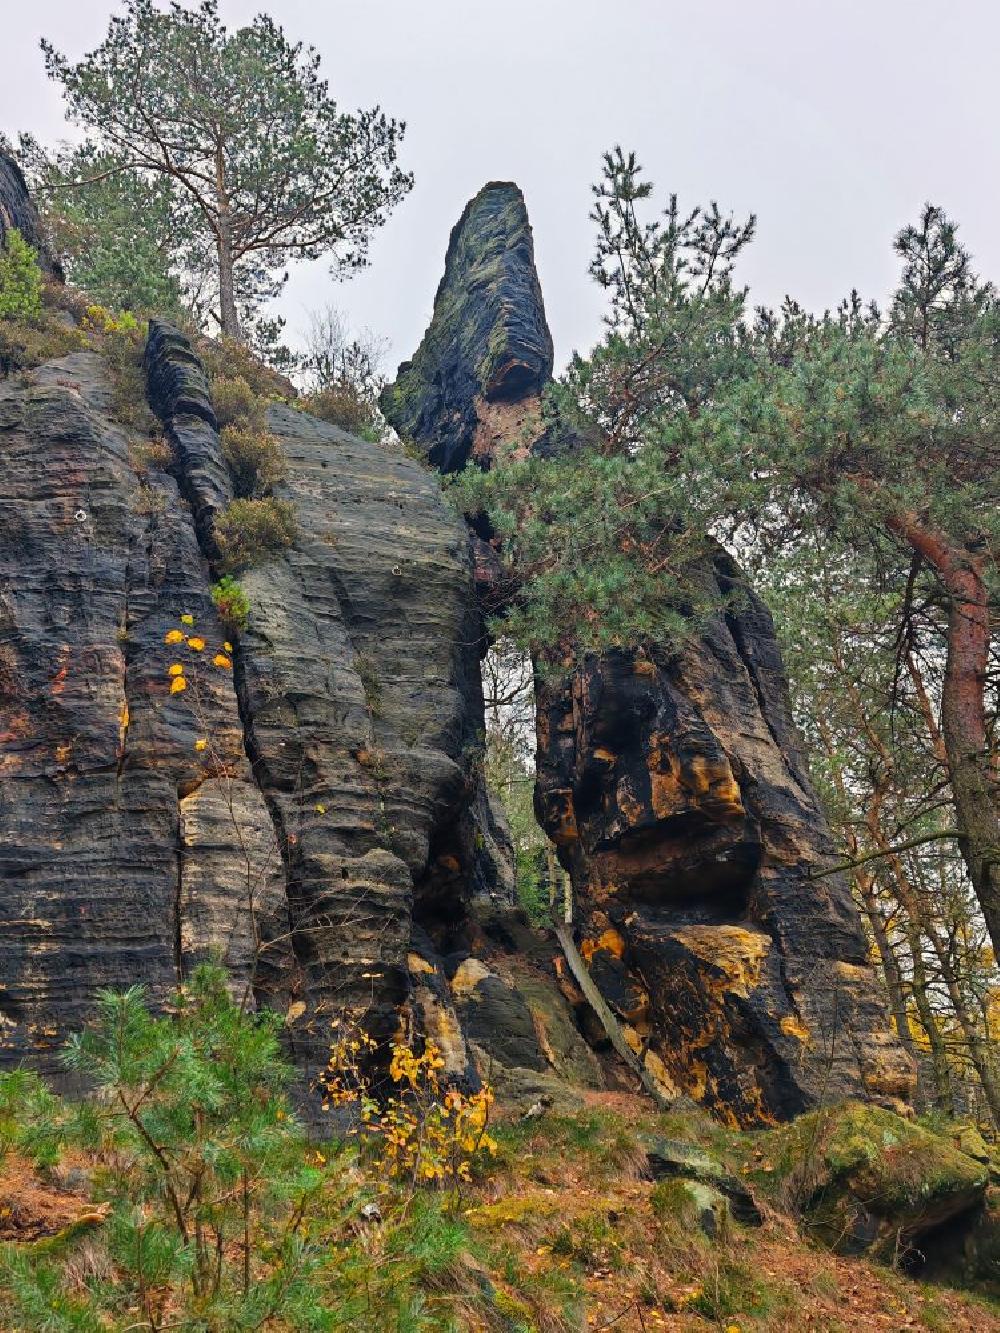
(868, 1180)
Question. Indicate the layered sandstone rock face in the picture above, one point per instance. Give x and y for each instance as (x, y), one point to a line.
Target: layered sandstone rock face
(474, 383)
(289, 813)
(673, 787)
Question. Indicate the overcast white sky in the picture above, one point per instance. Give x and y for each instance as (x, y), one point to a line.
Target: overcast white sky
(832, 119)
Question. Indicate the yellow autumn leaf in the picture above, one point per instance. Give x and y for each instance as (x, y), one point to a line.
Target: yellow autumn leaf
(177, 684)
(187, 620)
(175, 669)
(173, 636)
(200, 745)
(228, 646)
(196, 644)
(221, 660)
(321, 809)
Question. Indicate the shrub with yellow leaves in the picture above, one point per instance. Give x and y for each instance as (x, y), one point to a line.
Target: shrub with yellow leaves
(179, 674)
(422, 1132)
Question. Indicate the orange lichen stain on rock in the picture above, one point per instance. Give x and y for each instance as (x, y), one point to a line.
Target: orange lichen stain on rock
(468, 976)
(63, 752)
(510, 427)
(563, 828)
(416, 964)
(605, 756)
(732, 951)
(629, 804)
(440, 1024)
(652, 1062)
(792, 1026)
(59, 679)
(699, 781)
(609, 940)
(644, 667)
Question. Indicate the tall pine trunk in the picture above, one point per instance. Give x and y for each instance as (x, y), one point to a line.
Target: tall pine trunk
(229, 320)
(963, 710)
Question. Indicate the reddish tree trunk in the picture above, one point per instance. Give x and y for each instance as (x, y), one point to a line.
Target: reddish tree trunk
(963, 709)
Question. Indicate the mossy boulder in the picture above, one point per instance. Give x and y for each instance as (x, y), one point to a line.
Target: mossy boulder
(673, 1159)
(866, 1179)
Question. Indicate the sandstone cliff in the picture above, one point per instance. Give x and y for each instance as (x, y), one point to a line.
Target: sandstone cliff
(674, 789)
(336, 792)
(313, 810)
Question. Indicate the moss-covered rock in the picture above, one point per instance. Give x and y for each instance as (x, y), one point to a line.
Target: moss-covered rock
(866, 1179)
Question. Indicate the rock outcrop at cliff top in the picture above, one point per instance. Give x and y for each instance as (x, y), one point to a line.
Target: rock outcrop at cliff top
(674, 788)
(18, 212)
(476, 377)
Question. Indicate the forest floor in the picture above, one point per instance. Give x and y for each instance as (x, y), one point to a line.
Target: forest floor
(568, 1200)
(570, 1235)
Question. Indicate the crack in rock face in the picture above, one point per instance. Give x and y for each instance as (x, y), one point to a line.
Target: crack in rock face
(674, 788)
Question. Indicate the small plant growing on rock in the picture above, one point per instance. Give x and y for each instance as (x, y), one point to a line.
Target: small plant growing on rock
(20, 279)
(255, 460)
(231, 602)
(234, 401)
(147, 456)
(249, 532)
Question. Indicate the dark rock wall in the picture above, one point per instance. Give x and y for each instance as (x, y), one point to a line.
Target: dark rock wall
(336, 789)
(675, 790)
(677, 794)
(118, 862)
(476, 377)
(17, 211)
(358, 686)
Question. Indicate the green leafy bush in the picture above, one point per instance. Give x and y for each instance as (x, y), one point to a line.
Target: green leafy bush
(20, 279)
(231, 602)
(249, 532)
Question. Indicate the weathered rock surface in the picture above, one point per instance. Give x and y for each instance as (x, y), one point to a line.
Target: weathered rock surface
(674, 788)
(358, 685)
(112, 826)
(476, 378)
(291, 815)
(678, 796)
(19, 213)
